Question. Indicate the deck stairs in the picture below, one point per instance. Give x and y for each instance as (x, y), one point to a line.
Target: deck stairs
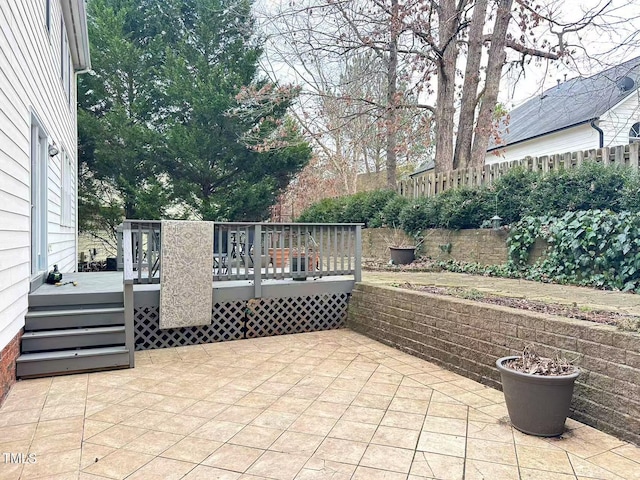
(73, 333)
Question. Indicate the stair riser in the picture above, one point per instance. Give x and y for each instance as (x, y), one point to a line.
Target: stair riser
(44, 368)
(72, 341)
(56, 322)
(68, 299)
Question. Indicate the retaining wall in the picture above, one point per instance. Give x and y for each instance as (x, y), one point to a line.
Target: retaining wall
(484, 246)
(468, 337)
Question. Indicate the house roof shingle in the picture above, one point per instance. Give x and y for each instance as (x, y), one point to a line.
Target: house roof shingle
(573, 102)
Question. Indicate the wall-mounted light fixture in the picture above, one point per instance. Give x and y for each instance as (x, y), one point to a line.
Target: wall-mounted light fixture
(53, 150)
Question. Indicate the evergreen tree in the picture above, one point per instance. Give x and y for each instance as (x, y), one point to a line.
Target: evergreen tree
(175, 114)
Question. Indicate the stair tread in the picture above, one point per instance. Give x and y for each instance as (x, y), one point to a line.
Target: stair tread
(75, 311)
(72, 331)
(63, 354)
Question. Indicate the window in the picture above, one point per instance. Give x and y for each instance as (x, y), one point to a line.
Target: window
(634, 133)
(67, 193)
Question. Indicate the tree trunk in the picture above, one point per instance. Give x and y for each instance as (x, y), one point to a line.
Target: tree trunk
(448, 22)
(464, 139)
(392, 89)
(497, 55)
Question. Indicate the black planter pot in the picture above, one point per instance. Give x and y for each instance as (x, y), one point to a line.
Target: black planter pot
(402, 255)
(537, 404)
(298, 269)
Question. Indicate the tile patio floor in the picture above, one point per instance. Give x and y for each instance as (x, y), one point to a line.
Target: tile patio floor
(326, 405)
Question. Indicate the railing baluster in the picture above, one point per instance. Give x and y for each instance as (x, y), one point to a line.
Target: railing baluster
(320, 251)
(342, 250)
(335, 246)
(257, 261)
(139, 245)
(350, 239)
(358, 273)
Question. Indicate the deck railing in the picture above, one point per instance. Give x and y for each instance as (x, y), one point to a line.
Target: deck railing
(256, 251)
(251, 251)
(140, 247)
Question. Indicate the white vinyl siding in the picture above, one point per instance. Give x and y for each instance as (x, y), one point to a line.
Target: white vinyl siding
(30, 82)
(581, 137)
(617, 122)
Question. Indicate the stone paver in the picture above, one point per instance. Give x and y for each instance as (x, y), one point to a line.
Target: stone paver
(591, 298)
(325, 405)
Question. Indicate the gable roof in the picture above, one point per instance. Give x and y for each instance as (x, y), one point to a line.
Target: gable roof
(571, 103)
(424, 167)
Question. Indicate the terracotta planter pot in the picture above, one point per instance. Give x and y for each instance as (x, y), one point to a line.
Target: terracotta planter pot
(537, 404)
(402, 255)
(279, 257)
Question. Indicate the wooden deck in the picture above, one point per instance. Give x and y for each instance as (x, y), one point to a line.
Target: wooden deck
(110, 285)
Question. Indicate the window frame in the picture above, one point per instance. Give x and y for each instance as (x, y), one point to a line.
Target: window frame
(634, 133)
(67, 189)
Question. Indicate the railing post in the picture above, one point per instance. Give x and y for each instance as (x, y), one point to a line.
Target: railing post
(119, 255)
(129, 335)
(358, 262)
(257, 260)
(129, 322)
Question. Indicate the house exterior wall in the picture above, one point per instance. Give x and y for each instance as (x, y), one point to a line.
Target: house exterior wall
(33, 84)
(581, 137)
(617, 122)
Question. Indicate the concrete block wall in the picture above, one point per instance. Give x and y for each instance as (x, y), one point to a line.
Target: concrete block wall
(484, 246)
(468, 337)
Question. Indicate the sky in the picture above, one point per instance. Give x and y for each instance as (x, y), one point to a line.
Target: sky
(614, 38)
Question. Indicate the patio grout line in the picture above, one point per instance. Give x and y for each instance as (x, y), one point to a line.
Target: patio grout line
(515, 449)
(415, 450)
(466, 444)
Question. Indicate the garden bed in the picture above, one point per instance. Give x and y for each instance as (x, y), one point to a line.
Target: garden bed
(626, 322)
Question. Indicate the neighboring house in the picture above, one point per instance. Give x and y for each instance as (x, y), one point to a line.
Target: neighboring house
(580, 114)
(43, 45)
(425, 167)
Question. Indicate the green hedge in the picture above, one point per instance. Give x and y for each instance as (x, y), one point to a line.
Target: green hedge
(363, 207)
(516, 195)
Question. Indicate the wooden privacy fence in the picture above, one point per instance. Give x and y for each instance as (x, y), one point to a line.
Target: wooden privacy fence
(430, 183)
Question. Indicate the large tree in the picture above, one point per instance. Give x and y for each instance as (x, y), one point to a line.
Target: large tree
(451, 53)
(174, 118)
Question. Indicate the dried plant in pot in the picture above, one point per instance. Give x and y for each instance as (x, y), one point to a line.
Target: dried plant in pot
(537, 391)
(402, 251)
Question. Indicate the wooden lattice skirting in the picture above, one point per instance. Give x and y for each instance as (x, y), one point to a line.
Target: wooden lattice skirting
(263, 317)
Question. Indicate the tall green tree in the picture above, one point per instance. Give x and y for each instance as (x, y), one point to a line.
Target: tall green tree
(232, 148)
(175, 114)
(119, 101)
